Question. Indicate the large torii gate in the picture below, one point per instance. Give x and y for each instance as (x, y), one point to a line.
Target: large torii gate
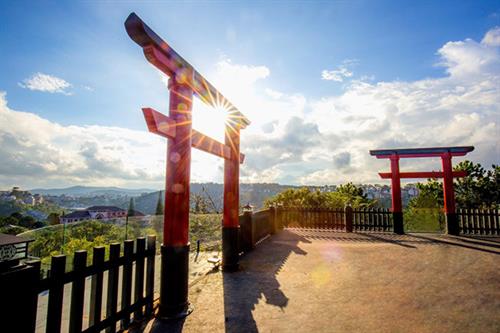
(446, 154)
(185, 82)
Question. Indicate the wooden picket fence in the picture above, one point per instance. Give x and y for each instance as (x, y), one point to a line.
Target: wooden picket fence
(265, 222)
(479, 221)
(372, 219)
(348, 219)
(137, 268)
(318, 218)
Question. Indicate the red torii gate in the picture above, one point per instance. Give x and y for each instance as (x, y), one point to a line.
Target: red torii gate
(446, 154)
(185, 82)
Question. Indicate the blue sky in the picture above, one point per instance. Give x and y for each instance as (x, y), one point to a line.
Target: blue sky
(301, 56)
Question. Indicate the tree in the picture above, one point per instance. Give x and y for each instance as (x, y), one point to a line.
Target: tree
(16, 215)
(352, 190)
(27, 221)
(157, 220)
(480, 188)
(131, 210)
(8, 220)
(39, 224)
(159, 205)
(430, 195)
(200, 204)
(53, 219)
(424, 211)
(348, 194)
(354, 196)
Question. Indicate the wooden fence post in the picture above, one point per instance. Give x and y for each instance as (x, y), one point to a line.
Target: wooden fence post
(150, 274)
(128, 252)
(139, 276)
(279, 217)
(55, 303)
(348, 216)
(96, 286)
(77, 292)
(112, 296)
(247, 231)
(272, 220)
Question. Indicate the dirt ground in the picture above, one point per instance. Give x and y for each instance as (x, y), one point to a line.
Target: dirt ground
(323, 281)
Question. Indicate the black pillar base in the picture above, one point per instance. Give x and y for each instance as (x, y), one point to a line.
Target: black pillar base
(230, 250)
(452, 227)
(397, 219)
(174, 282)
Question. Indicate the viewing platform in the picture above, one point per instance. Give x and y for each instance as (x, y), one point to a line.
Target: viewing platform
(329, 281)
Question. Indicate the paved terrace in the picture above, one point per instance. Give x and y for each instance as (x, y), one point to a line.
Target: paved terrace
(323, 281)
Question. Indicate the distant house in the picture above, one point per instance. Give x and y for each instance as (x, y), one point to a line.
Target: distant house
(77, 215)
(104, 213)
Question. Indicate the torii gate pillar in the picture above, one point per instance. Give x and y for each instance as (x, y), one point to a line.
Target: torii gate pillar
(230, 226)
(452, 226)
(397, 209)
(175, 247)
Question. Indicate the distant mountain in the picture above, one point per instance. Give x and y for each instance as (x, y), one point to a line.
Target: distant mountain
(88, 191)
(145, 199)
(254, 194)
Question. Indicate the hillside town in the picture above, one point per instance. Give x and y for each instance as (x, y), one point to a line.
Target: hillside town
(20, 196)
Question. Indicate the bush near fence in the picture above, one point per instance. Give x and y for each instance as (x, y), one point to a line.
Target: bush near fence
(84, 235)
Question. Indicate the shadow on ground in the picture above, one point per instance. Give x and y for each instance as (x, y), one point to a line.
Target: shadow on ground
(257, 281)
(411, 240)
(415, 273)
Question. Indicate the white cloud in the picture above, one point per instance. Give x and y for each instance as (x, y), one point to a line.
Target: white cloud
(492, 37)
(330, 137)
(341, 73)
(245, 74)
(38, 152)
(337, 75)
(292, 138)
(46, 83)
(461, 108)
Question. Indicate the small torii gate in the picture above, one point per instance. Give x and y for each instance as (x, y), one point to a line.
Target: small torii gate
(185, 82)
(446, 154)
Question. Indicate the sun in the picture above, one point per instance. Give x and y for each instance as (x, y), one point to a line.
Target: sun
(209, 120)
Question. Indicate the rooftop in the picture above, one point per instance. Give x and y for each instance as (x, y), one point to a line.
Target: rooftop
(105, 208)
(11, 239)
(77, 214)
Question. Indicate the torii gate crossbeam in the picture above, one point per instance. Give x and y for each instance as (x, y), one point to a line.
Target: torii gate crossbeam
(446, 154)
(184, 83)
